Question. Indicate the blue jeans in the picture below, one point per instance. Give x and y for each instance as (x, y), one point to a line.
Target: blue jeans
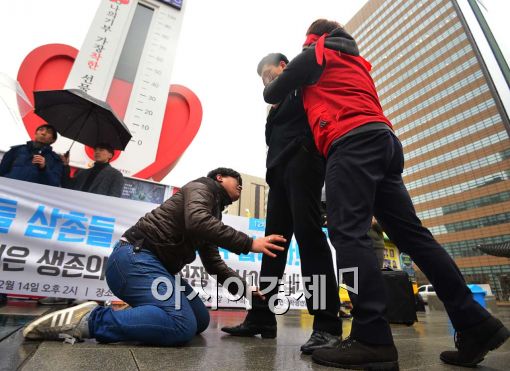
(130, 276)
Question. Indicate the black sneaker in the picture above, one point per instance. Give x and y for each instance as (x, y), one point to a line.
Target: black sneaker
(247, 329)
(359, 356)
(474, 343)
(320, 340)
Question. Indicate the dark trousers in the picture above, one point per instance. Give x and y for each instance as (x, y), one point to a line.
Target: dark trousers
(364, 178)
(294, 208)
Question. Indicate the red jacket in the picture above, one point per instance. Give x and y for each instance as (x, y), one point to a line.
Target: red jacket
(339, 94)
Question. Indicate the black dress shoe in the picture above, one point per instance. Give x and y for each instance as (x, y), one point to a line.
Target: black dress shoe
(318, 340)
(474, 343)
(247, 329)
(352, 354)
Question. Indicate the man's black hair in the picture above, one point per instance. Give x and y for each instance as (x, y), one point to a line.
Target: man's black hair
(225, 171)
(272, 59)
(322, 26)
(52, 128)
(106, 146)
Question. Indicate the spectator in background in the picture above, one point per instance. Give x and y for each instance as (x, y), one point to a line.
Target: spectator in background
(101, 178)
(34, 161)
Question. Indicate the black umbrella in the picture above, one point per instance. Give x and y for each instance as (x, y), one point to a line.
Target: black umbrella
(81, 117)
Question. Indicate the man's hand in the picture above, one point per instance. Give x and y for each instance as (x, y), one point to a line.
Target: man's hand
(265, 244)
(65, 158)
(255, 292)
(39, 161)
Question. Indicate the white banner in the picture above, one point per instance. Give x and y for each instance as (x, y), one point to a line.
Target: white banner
(56, 242)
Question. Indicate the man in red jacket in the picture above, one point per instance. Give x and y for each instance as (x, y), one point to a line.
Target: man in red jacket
(364, 178)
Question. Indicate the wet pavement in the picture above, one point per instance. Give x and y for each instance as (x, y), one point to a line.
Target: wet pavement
(418, 345)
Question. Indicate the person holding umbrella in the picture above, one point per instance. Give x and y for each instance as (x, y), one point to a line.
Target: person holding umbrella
(87, 120)
(92, 122)
(82, 118)
(101, 178)
(34, 161)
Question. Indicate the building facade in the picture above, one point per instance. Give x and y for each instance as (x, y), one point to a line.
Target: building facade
(253, 200)
(435, 88)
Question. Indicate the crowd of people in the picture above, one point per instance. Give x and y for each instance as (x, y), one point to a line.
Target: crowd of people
(326, 124)
(36, 162)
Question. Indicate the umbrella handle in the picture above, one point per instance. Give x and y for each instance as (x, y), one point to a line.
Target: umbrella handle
(79, 132)
(69, 150)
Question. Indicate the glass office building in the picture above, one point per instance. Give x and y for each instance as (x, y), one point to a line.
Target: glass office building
(435, 88)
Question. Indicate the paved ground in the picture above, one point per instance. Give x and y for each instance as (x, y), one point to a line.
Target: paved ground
(418, 347)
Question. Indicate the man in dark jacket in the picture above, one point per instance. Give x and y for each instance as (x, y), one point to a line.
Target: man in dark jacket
(295, 174)
(364, 178)
(102, 178)
(144, 265)
(34, 161)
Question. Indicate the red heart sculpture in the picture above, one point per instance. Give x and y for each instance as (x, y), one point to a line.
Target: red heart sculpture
(47, 67)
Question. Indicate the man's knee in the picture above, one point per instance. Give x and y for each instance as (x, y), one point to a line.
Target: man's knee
(189, 328)
(184, 330)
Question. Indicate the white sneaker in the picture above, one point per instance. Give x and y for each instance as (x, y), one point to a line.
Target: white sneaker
(68, 322)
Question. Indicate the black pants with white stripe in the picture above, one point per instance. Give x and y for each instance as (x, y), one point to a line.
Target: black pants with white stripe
(364, 178)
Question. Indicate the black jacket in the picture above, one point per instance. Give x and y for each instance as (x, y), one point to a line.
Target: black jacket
(286, 129)
(109, 181)
(188, 222)
(17, 164)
